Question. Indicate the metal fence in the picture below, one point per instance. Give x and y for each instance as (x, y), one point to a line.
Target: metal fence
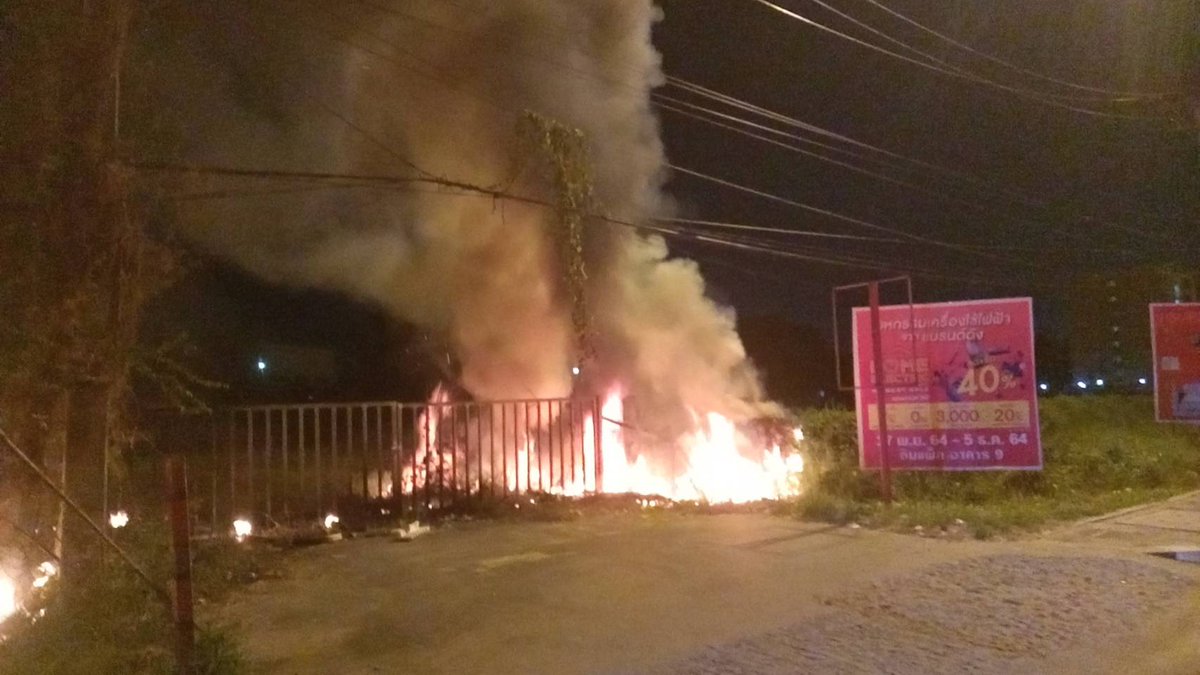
(292, 463)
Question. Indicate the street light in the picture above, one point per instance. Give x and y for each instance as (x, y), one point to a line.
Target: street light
(1081, 384)
(1099, 382)
(1044, 387)
(1142, 381)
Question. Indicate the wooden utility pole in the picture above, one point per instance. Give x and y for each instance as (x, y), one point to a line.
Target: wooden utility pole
(177, 508)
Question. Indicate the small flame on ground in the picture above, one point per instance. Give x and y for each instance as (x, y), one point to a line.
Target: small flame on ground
(331, 520)
(242, 528)
(8, 597)
(118, 519)
(46, 570)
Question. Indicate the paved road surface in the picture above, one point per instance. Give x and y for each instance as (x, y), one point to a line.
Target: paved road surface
(659, 593)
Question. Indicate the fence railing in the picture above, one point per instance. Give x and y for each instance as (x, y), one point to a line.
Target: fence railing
(291, 463)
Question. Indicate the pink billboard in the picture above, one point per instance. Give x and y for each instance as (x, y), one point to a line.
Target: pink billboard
(960, 386)
(1175, 340)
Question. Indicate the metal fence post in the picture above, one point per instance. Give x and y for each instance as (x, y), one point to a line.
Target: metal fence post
(177, 497)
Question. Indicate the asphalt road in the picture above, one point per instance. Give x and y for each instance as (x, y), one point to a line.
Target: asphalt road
(656, 592)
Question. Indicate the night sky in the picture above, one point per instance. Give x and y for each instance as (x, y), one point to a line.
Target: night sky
(1116, 192)
(1051, 193)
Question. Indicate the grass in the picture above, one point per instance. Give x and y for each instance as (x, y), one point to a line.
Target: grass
(1101, 454)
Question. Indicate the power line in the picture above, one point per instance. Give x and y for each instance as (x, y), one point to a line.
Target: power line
(658, 102)
(454, 85)
(857, 262)
(1126, 95)
(676, 81)
(777, 230)
(1038, 95)
(661, 97)
(958, 75)
(810, 208)
(837, 216)
(771, 248)
(732, 101)
(1019, 197)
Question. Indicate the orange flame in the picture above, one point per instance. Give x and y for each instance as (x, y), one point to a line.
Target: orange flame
(716, 463)
(713, 466)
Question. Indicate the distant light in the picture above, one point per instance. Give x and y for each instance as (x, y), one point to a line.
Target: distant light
(331, 520)
(1081, 384)
(1142, 381)
(1099, 382)
(1044, 387)
(242, 528)
(575, 370)
(262, 366)
(118, 520)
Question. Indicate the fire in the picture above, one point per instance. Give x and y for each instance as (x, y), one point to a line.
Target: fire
(45, 571)
(118, 519)
(242, 528)
(718, 462)
(8, 597)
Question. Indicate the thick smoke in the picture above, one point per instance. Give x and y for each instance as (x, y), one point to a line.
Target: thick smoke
(444, 83)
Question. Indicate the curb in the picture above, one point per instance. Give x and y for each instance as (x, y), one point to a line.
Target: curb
(1134, 509)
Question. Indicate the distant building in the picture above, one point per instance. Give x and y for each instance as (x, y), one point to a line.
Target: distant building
(1110, 322)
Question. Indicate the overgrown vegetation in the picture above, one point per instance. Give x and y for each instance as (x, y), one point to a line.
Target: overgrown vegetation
(113, 622)
(101, 617)
(1101, 453)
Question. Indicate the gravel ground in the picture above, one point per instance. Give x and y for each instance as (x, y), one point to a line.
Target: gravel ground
(997, 614)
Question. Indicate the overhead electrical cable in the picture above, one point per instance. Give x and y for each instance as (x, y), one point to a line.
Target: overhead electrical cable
(959, 69)
(1017, 196)
(772, 248)
(950, 73)
(1124, 95)
(812, 209)
(838, 216)
(700, 90)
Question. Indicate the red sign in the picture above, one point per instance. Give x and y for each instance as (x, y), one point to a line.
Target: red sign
(1175, 339)
(960, 387)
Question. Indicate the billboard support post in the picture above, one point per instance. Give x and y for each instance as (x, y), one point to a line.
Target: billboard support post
(885, 465)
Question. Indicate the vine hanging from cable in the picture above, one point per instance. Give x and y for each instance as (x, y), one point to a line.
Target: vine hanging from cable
(565, 149)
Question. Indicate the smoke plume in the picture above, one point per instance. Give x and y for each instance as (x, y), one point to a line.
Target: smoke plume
(443, 84)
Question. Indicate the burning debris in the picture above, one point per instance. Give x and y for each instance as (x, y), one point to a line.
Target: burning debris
(719, 462)
(242, 529)
(118, 519)
(8, 597)
(489, 278)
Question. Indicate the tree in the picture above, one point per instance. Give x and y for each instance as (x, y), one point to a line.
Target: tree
(78, 264)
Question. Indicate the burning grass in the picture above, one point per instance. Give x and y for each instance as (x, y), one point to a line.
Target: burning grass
(1101, 454)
